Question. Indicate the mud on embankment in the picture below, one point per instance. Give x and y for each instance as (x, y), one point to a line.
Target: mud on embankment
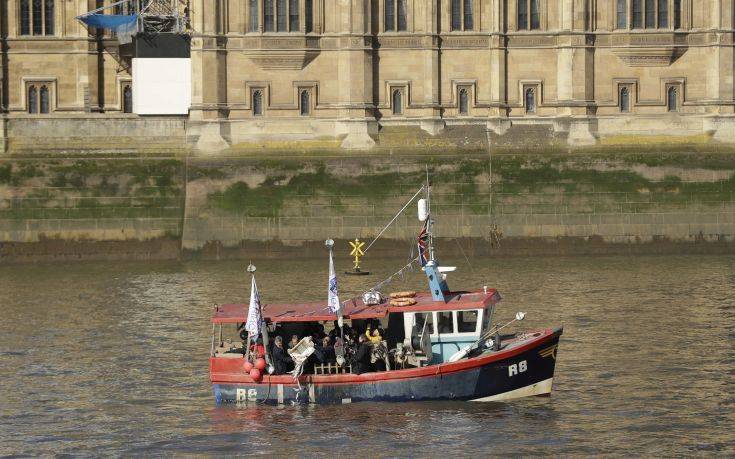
(143, 207)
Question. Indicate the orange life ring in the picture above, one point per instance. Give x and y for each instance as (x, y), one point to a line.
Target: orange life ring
(407, 294)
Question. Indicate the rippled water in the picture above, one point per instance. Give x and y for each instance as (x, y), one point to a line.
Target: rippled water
(111, 358)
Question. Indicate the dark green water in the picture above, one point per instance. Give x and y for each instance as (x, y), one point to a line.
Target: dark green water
(111, 359)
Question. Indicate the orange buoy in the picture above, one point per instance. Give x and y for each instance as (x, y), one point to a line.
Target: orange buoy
(260, 363)
(255, 374)
(248, 366)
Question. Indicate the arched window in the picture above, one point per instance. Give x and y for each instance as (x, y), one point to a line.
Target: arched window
(624, 99)
(48, 23)
(649, 14)
(530, 100)
(304, 103)
(127, 99)
(677, 14)
(44, 96)
(32, 99)
(258, 102)
(463, 101)
(672, 99)
(397, 102)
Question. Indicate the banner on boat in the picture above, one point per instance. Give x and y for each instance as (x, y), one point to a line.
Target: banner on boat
(332, 293)
(254, 320)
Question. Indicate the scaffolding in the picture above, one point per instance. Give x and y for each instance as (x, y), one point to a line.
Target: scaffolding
(131, 17)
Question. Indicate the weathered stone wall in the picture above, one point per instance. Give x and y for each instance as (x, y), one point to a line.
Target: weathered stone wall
(233, 207)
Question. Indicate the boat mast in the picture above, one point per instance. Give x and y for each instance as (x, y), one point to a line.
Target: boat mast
(429, 223)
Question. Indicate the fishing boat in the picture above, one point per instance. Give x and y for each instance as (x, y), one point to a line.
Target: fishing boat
(435, 345)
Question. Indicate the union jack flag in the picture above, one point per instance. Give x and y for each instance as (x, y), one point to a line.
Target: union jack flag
(423, 243)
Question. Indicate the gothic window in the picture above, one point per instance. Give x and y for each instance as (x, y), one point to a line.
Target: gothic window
(268, 15)
(467, 15)
(304, 103)
(309, 7)
(44, 99)
(127, 99)
(463, 101)
(397, 102)
(663, 14)
(281, 16)
(622, 14)
(293, 15)
(530, 99)
(462, 15)
(254, 15)
(649, 14)
(278, 16)
(624, 99)
(32, 99)
(528, 15)
(671, 99)
(257, 102)
(37, 17)
(395, 15)
(637, 14)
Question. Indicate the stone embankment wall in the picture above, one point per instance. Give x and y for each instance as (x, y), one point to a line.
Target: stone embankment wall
(242, 206)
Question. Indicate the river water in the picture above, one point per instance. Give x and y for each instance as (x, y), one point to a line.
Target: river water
(111, 359)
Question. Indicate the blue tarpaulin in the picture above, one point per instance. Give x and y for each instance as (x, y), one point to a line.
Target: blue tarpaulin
(123, 25)
(109, 21)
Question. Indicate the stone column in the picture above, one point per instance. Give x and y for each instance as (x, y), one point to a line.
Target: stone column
(721, 74)
(575, 71)
(208, 79)
(355, 68)
(3, 60)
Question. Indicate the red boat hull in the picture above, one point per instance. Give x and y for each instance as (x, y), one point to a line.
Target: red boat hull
(526, 368)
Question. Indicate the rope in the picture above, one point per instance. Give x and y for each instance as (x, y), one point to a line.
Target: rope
(393, 220)
(387, 281)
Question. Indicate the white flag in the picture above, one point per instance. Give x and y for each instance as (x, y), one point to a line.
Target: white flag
(332, 295)
(253, 323)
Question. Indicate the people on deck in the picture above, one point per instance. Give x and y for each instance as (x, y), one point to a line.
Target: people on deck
(282, 362)
(294, 341)
(373, 335)
(361, 360)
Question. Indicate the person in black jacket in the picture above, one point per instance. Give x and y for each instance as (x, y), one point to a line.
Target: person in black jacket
(282, 362)
(361, 360)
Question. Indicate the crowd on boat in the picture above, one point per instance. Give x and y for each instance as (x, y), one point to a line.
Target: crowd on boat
(364, 348)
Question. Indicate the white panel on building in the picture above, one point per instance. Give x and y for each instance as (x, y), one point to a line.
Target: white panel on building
(161, 86)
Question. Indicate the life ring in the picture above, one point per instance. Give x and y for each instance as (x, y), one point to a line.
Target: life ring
(402, 302)
(406, 294)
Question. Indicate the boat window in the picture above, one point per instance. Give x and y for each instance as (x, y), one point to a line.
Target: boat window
(419, 318)
(445, 322)
(467, 321)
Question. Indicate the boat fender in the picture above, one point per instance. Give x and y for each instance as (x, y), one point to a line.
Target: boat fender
(247, 366)
(403, 302)
(406, 294)
(255, 374)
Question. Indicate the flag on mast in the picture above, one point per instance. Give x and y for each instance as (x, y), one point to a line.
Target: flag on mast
(254, 320)
(423, 243)
(332, 294)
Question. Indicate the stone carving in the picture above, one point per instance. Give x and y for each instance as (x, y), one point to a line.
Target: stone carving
(465, 42)
(649, 56)
(273, 53)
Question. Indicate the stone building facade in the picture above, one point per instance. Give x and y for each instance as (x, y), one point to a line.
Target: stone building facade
(587, 70)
